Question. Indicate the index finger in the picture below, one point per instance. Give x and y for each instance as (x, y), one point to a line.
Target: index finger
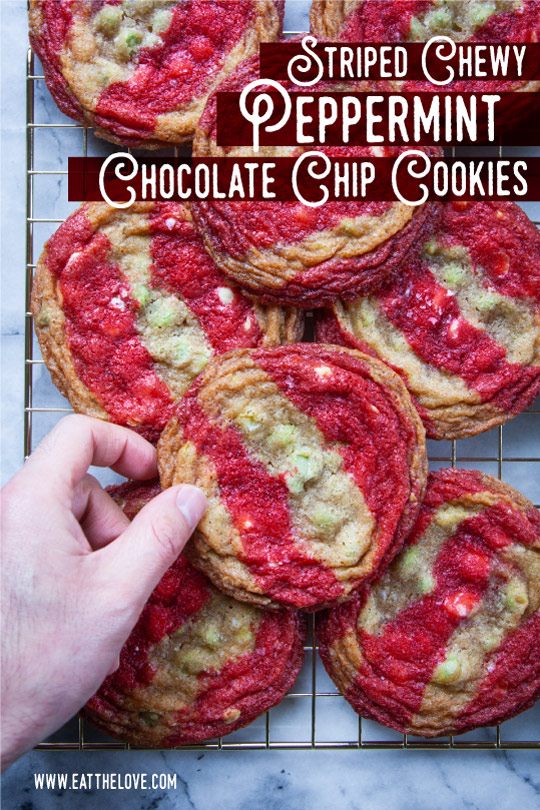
(77, 442)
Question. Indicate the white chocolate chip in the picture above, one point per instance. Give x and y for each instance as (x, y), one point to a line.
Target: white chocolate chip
(117, 303)
(225, 295)
(73, 257)
(453, 329)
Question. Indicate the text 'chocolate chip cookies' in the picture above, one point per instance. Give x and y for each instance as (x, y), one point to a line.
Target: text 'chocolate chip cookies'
(313, 462)
(461, 321)
(447, 638)
(128, 308)
(198, 664)
(140, 71)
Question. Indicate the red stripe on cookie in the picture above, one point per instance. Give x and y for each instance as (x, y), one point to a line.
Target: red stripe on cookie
(56, 18)
(513, 268)
(390, 21)
(258, 505)
(429, 317)
(512, 682)
(354, 411)
(267, 224)
(398, 663)
(182, 266)
(72, 235)
(381, 21)
(180, 594)
(194, 49)
(104, 343)
(251, 683)
(328, 330)
(443, 486)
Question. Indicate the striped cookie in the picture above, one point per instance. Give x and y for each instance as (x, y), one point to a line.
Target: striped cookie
(313, 462)
(290, 253)
(139, 71)
(128, 309)
(446, 640)
(396, 21)
(198, 664)
(461, 321)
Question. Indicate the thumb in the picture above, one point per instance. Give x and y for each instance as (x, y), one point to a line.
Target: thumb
(154, 539)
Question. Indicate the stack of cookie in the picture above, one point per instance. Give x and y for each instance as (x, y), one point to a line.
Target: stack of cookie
(186, 325)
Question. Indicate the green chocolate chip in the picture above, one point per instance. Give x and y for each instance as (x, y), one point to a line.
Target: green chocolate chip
(324, 518)
(244, 636)
(399, 343)
(426, 584)
(367, 317)
(212, 636)
(448, 670)
(133, 37)
(180, 350)
(192, 661)
(479, 14)
(408, 561)
(283, 435)
(184, 352)
(486, 301)
(306, 464)
(249, 419)
(127, 42)
(438, 18)
(161, 20)
(454, 274)
(200, 360)
(490, 642)
(141, 293)
(417, 30)
(515, 598)
(349, 227)
(161, 314)
(108, 20)
(430, 247)
(150, 718)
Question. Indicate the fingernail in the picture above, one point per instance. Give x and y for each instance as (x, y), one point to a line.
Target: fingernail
(192, 503)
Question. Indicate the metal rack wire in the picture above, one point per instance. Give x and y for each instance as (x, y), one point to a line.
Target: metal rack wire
(303, 707)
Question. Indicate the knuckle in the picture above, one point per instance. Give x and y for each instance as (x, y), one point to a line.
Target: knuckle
(166, 533)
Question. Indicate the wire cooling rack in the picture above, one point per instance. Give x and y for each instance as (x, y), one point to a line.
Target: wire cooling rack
(313, 714)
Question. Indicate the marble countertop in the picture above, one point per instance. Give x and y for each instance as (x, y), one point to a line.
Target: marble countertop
(235, 780)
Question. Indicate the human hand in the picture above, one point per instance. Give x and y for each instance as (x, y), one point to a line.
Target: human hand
(76, 573)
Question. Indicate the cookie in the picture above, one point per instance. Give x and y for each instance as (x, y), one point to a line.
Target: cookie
(198, 664)
(313, 462)
(128, 308)
(461, 320)
(397, 21)
(291, 253)
(446, 639)
(140, 71)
